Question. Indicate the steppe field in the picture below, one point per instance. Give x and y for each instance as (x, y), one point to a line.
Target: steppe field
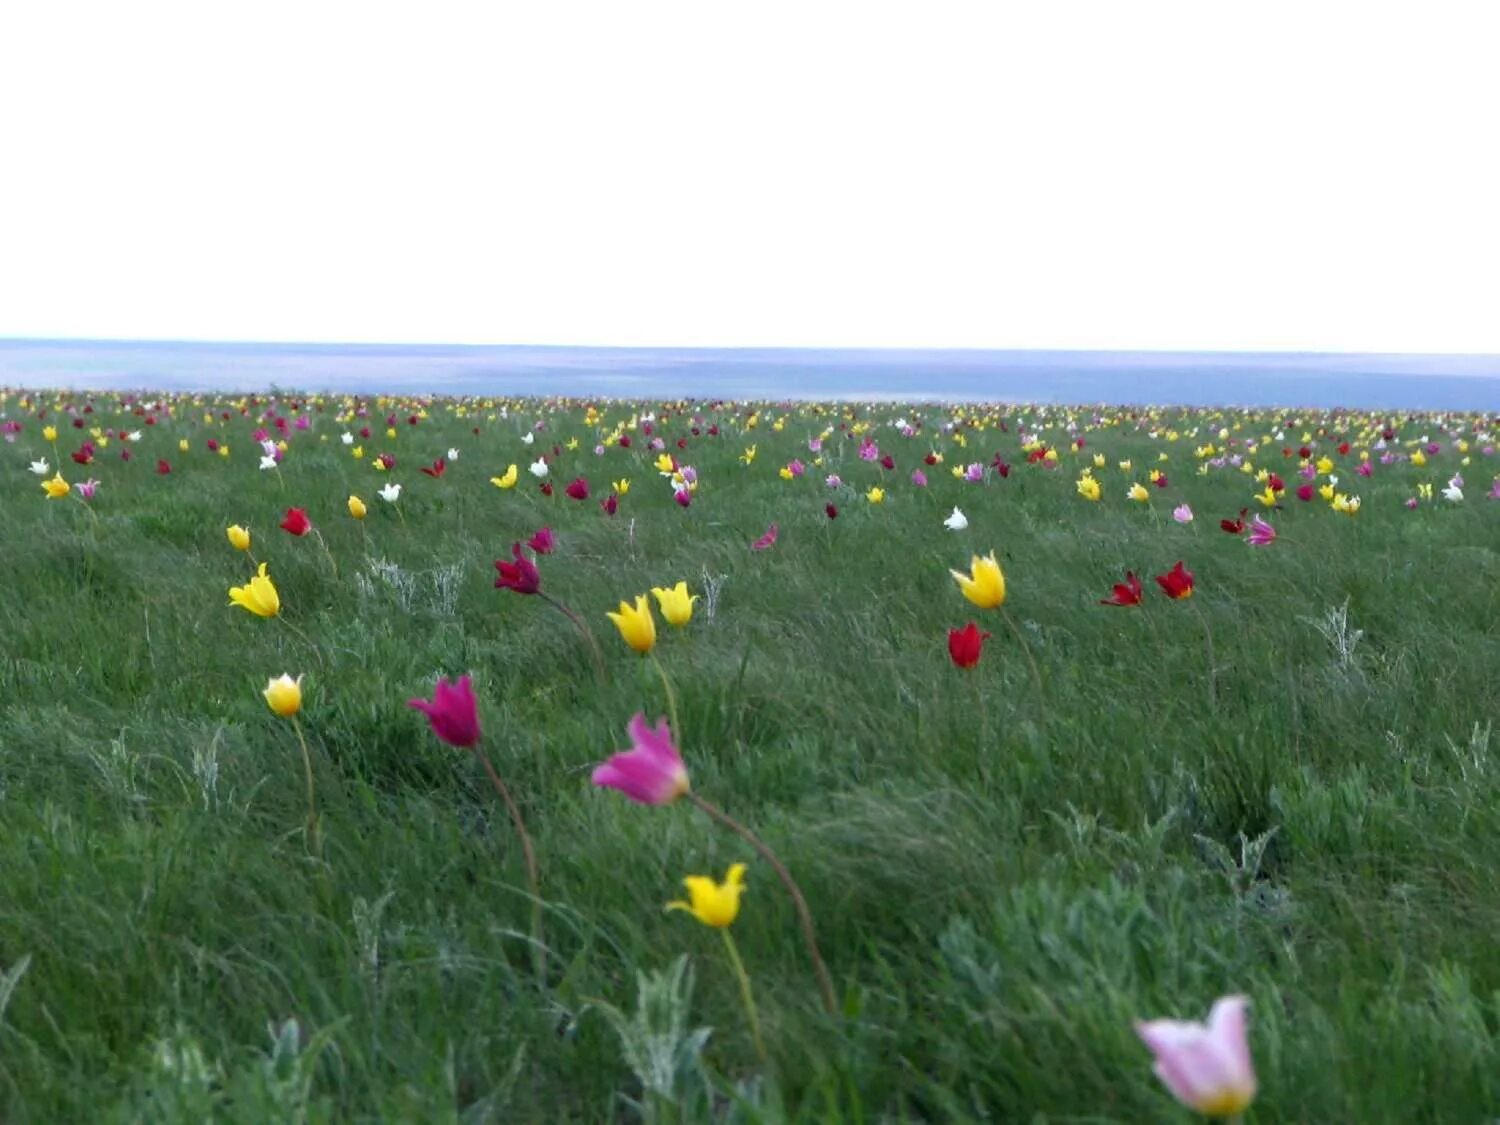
(1223, 728)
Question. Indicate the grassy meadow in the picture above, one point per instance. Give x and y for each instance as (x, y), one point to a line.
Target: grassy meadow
(1285, 786)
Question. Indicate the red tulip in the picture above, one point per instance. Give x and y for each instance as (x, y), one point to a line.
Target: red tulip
(453, 711)
(547, 488)
(162, 468)
(683, 497)
(965, 645)
(578, 489)
(1177, 583)
(1276, 483)
(887, 462)
(610, 504)
(765, 541)
(831, 511)
(543, 541)
(1127, 593)
(1235, 526)
(1161, 481)
(296, 522)
(1305, 492)
(1343, 449)
(439, 467)
(388, 460)
(521, 576)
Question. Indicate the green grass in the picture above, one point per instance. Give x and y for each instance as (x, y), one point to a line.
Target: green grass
(1001, 882)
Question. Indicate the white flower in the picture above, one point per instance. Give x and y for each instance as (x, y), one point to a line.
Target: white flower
(134, 435)
(1454, 493)
(347, 438)
(453, 455)
(539, 468)
(527, 438)
(957, 521)
(268, 462)
(268, 447)
(391, 493)
(41, 468)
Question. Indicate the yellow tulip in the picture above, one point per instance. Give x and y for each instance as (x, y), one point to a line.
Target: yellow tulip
(665, 464)
(223, 451)
(284, 695)
(506, 481)
(1098, 460)
(1138, 492)
(1268, 497)
(1088, 488)
(876, 495)
(713, 904)
(622, 486)
(636, 624)
(1325, 466)
(56, 488)
(748, 457)
(357, 507)
(390, 432)
(358, 452)
(1418, 457)
(239, 538)
(1326, 492)
(49, 433)
(257, 596)
(182, 445)
(984, 585)
(675, 604)
(1124, 466)
(785, 473)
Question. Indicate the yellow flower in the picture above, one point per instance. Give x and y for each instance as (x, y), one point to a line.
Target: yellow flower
(984, 585)
(665, 464)
(358, 452)
(49, 433)
(1098, 460)
(223, 451)
(1050, 457)
(258, 595)
(1088, 488)
(1124, 466)
(506, 481)
(1425, 490)
(676, 606)
(357, 507)
(56, 488)
(636, 624)
(390, 432)
(622, 486)
(876, 495)
(1326, 492)
(1418, 457)
(182, 445)
(1138, 492)
(713, 904)
(239, 538)
(1325, 466)
(786, 474)
(284, 695)
(1268, 497)
(748, 457)
(1349, 505)
(573, 443)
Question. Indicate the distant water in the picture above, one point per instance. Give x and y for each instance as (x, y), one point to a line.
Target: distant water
(1430, 382)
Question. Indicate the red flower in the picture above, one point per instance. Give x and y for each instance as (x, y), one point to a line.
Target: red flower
(1177, 583)
(547, 488)
(610, 504)
(624, 441)
(453, 711)
(1235, 526)
(683, 497)
(84, 454)
(1161, 481)
(767, 540)
(1305, 492)
(831, 511)
(162, 468)
(439, 467)
(930, 459)
(1127, 593)
(1276, 483)
(888, 462)
(578, 489)
(965, 645)
(521, 576)
(296, 522)
(1304, 452)
(388, 460)
(364, 432)
(543, 541)
(1343, 449)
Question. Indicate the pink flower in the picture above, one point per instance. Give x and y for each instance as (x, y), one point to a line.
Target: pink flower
(1261, 534)
(87, 488)
(814, 445)
(1365, 469)
(832, 480)
(651, 771)
(578, 489)
(543, 542)
(974, 473)
(683, 497)
(919, 478)
(1494, 492)
(1308, 472)
(1207, 1068)
(1411, 502)
(453, 712)
(796, 468)
(766, 540)
(1182, 514)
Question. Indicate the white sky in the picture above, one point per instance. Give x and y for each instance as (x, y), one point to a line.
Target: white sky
(1307, 175)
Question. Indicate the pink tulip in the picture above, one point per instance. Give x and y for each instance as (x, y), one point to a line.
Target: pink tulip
(87, 488)
(651, 771)
(1206, 1068)
(919, 478)
(453, 712)
(1261, 534)
(1182, 514)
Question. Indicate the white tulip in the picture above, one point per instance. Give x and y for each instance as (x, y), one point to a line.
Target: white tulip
(957, 521)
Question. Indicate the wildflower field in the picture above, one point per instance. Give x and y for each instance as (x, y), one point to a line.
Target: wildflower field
(354, 750)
